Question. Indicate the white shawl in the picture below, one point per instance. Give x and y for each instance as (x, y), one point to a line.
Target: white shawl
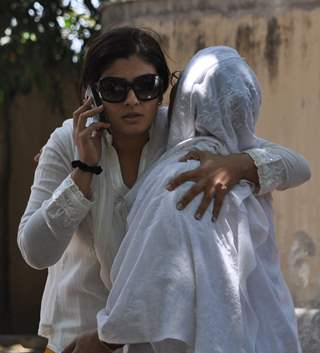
(180, 285)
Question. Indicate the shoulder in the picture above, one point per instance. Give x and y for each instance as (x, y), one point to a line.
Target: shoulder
(61, 139)
(63, 133)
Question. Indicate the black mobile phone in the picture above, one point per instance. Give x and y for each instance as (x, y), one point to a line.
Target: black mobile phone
(96, 102)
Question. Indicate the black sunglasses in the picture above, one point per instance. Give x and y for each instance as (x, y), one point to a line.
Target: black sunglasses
(116, 89)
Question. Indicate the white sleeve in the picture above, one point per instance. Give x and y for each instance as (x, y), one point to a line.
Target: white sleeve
(56, 205)
(278, 167)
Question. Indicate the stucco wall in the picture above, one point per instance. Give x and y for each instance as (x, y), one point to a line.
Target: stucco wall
(280, 39)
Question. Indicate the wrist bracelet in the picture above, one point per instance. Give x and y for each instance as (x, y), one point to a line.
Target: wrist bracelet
(86, 168)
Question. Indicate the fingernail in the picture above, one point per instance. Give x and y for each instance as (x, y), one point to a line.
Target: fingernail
(197, 216)
(169, 187)
(179, 206)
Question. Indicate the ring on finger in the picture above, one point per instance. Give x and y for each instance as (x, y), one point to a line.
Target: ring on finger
(93, 134)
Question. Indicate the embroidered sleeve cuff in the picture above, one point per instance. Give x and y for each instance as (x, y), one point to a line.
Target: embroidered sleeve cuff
(66, 208)
(270, 169)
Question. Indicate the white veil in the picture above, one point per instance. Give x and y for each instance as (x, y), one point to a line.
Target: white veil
(218, 95)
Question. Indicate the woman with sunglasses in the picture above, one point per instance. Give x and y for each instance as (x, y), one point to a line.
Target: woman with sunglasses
(75, 219)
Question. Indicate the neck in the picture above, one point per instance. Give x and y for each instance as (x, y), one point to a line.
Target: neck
(129, 144)
(129, 149)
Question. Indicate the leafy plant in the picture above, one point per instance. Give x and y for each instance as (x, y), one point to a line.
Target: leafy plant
(38, 37)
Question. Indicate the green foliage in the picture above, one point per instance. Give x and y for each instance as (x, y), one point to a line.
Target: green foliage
(36, 40)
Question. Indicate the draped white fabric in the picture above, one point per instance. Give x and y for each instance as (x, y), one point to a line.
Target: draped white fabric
(218, 95)
(187, 286)
(109, 226)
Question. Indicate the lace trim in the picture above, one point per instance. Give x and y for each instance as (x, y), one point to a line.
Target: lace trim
(67, 206)
(270, 168)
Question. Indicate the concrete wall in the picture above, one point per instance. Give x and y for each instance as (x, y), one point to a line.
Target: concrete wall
(280, 39)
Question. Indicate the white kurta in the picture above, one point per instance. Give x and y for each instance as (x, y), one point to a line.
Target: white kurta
(56, 230)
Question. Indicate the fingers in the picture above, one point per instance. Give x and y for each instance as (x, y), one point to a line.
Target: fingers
(82, 119)
(92, 130)
(36, 158)
(206, 200)
(192, 155)
(182, 178)
(220, 192)
(85, 111)
(76, 114)
(189, 196)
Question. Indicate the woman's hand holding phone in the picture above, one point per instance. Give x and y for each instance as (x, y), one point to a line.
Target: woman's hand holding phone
(88, 138)
(88, 142)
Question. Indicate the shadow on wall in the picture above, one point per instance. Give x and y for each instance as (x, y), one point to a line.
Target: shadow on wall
(247, 44)
(300, 257)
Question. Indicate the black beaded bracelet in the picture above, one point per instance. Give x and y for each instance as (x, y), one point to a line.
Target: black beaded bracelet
(86, 168)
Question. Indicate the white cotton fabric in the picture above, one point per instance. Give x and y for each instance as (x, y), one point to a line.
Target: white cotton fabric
(187, 286)
(226, 107)
(110, 210)
(57, 232)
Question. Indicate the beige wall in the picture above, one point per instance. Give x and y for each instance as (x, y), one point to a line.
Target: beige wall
(282, 44)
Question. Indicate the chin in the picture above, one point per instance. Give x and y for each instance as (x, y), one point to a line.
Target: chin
(136, 129)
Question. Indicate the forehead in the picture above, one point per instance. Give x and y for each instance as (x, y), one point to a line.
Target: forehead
(129, 68)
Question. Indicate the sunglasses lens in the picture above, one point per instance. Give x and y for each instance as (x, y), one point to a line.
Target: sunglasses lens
(113, 89)
(147, 87)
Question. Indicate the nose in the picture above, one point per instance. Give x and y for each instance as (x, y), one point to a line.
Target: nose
(131, 99)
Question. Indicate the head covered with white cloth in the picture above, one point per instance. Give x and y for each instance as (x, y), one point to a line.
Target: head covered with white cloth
(218, 95)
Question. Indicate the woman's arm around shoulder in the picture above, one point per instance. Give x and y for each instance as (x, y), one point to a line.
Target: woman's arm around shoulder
(278, 167)
(268, 167)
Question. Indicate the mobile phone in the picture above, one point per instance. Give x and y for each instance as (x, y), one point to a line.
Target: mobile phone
(96, 102)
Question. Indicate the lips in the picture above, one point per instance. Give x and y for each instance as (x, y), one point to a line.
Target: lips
(132, 115)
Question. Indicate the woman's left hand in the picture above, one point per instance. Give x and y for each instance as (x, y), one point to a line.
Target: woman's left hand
(215, 177)
(89, 343)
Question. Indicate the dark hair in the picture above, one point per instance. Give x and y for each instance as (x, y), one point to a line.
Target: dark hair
(119, 43)
(174, 76)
